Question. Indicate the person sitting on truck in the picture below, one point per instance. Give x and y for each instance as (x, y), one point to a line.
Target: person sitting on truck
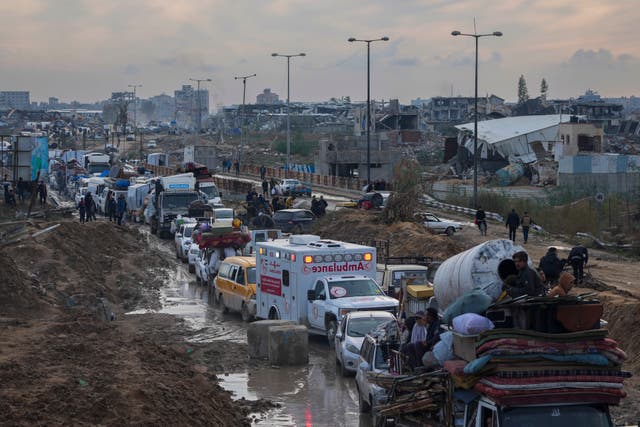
(425, 334)
(527, 281)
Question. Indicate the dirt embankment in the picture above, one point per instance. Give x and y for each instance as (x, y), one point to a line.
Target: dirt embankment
(63, 360)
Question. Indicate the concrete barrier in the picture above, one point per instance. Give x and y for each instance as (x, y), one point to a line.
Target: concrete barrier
(258, 336)
(288, 345)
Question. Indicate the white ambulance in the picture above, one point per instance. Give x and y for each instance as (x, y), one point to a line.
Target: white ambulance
(315, 282)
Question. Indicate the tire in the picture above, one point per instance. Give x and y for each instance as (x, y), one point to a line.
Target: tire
(192, 268)
(198, 280)
(177, 254)
(449, 231)
(224, 307)
(273, 314)
(332, 327)
(343, 371)
(246, 316)
(363, 406)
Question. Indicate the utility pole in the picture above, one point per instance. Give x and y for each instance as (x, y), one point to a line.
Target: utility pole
(244, 93)
(199, 101)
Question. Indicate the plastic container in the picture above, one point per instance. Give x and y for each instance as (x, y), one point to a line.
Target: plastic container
(481, 267)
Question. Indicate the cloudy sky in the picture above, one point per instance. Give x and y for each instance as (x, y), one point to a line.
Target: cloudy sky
(85, 49)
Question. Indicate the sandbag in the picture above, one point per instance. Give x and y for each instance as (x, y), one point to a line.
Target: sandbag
(471, 324)
(443, 350)
(476, 301)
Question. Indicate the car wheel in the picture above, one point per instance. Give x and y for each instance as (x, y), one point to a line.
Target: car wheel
(198, 281)
(222, 304)
(192, 268)
(362, 404)
(177, 254)
(246, 316)
(449, 231)
(332, 327)
(343, 371)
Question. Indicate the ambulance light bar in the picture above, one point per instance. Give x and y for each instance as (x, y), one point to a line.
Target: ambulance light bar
(310, 259)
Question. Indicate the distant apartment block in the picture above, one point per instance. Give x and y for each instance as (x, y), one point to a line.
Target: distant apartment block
(164, 107)
(186, 105)
(461, 108)
(267, 98)
(15, 99)
(53, 102)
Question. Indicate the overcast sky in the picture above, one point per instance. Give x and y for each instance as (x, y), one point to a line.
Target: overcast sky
(84, 50)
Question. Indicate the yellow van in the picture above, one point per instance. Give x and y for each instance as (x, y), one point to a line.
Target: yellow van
(235, 286)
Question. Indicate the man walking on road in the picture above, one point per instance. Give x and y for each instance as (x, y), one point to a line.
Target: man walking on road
(525, 222)
(513, 222)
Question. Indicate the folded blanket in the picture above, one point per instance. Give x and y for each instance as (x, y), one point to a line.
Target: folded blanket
(551, 385)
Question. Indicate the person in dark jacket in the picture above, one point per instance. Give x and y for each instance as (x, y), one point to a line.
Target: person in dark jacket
(90, 206)
(551, 266)
(82, 209)
(527, 281)
(42, 192)
(481, 221)
(513, 222)
(578, 257)
(121, 208)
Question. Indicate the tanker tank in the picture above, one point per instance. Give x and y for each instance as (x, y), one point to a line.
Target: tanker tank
(481, 267)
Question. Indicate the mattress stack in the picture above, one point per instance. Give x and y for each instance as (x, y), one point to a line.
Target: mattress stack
(220, 236)
(516, 366)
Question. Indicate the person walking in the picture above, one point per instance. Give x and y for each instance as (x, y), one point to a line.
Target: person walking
(525, 222)
(513, 222)
(236, 165)
(20, 189)
(481, 221)
(263, 172)
(82, 209)
(121, 208)
(578, 257)
(111, 207)
(322, 206)
(42, 192)
(89, 206)
(265, 187)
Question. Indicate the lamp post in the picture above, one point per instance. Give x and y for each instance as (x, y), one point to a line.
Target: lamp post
(286, 169)
(368, 42)
(244, 92)
(475, 115)
(135, 117)
(199, 118)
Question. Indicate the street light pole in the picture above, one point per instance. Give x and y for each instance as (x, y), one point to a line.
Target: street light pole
(475, 115)
(135, 118)
(368, 42)
(199, 118)
(286, 169)
(244, 93)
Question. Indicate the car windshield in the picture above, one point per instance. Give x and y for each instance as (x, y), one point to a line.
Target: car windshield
(173, 201)
(361, 326)
(382, 356)
(557, 416)
(224, 213)
(188, 231)
(416, 277)
(354, 288)
(211, 192)
(251, 275)
(97, 168)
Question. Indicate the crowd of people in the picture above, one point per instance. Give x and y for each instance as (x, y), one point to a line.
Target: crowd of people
(18, 191)
(115, 209)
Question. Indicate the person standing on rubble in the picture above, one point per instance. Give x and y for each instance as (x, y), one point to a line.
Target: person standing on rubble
(526, 222)
(527, 282)
(513, 222)
(578, 257)
(89, 205)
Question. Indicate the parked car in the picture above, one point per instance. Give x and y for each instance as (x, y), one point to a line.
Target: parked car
(295, 187)
(294, 220)
(152, 144)
(235, 286)
(375, 355)
(192, 255)
(350, 335)
(371, 200)
(438, 225)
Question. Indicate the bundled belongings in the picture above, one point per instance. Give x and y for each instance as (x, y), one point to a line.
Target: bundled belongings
(220, 235)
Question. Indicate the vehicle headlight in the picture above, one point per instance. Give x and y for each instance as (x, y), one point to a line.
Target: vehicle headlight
(352, 348)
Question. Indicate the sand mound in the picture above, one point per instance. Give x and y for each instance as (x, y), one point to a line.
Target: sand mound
(406, 238)
(19, 295)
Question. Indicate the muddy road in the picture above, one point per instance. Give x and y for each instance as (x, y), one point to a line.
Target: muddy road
(309, 395)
